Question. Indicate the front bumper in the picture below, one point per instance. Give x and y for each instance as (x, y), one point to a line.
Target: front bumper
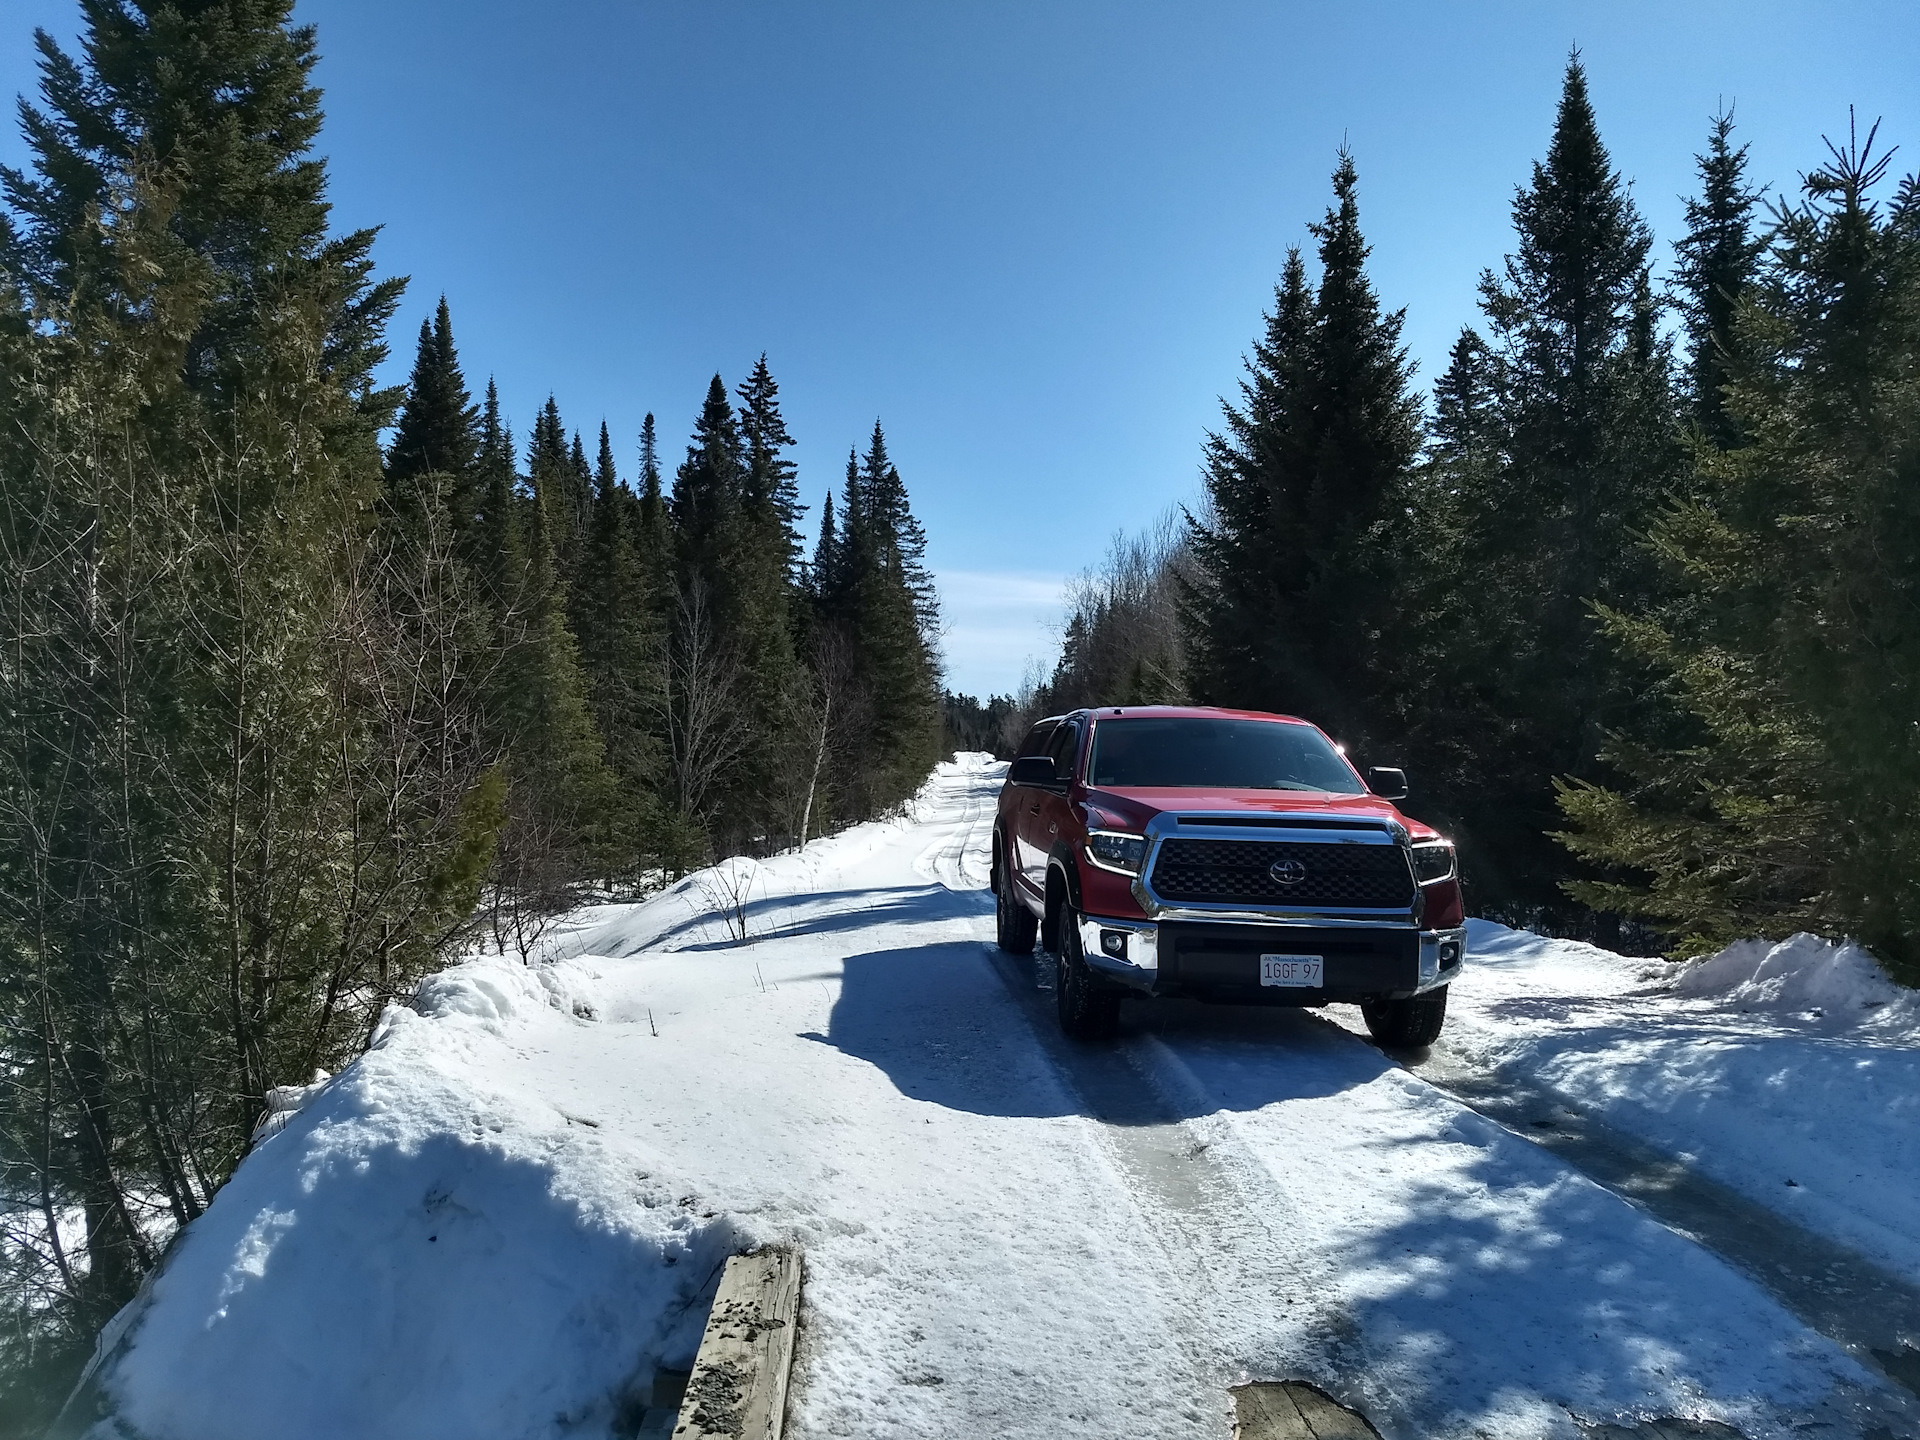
(1218, 959)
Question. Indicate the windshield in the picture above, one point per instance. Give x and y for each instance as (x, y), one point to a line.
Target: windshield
(1224, 754)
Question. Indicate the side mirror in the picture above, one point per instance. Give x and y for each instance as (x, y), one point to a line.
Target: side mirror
(1032, 770)
(1384, 781)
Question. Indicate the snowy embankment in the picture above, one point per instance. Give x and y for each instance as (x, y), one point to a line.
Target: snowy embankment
(1788, 1072)
(504, 1218)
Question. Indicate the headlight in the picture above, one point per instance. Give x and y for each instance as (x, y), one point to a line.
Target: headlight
(1433, 861)
(1117, 850)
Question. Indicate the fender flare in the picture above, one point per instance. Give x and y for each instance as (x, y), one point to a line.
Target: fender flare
(1063, 859)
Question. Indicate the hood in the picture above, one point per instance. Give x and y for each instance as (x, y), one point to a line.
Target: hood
(1131, 809)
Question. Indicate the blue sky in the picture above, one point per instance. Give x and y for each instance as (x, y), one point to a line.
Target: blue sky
(1034, 239)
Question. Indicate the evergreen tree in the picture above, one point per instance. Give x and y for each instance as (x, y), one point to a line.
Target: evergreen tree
(558, 470)
(615, 624)
(1591, 452)
(770, 477)
(707, 488)
(1251, 469)
(558, 808)
(1299, 599)
(198, 740)
(888, 599)
(1789, 636)
(438, 431)
(1466, 405)
(823, 574)
(1714, 265)
(493, 545)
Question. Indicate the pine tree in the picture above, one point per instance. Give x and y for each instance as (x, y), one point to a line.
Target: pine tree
(438, 431)
(707, 488)
(770, 477)
(1591, 452)
(888, 601)
(558, 807)
(1300, 591)
(1466, 404)
(615, 624)
(1251, 471)
(195, 352)
(824, 574)
(493, 545)
(1714, 265)
(560, 473)
(1789, 636)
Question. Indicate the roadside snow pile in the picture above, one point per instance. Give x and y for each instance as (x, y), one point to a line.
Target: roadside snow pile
(1805, 976)
(428, 1247)
(1789, 1072)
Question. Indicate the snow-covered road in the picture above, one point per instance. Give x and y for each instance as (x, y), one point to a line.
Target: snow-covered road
(505, 1216)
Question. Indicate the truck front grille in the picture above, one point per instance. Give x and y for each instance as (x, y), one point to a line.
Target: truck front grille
(1283, 874)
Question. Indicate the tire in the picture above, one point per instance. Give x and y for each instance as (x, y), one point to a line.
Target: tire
(1406, 1024)
(1014, 926)
(1089, 1010)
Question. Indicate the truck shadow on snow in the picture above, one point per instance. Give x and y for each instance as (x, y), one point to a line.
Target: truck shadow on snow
(823, 912)
(961, 1025)
(1479, 1279)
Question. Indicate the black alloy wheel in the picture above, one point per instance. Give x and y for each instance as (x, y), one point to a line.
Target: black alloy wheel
(1014, 926)
(1406, 1024)
(1089, 1010)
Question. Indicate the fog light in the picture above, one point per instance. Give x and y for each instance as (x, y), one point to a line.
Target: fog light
(1449, 954)
(1114, 943)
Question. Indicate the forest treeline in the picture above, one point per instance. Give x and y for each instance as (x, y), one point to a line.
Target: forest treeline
(1636, 598)
(290, 710)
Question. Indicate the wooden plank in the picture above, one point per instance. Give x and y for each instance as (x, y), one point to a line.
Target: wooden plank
(738, 1389)
(1294, 1410)
(1327, 1420)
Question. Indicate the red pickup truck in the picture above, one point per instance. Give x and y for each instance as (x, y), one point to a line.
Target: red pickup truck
(1227, 855)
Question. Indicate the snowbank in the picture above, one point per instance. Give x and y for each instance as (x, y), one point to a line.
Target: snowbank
(419, 1252)
(1817, 979)
(1789, 1072)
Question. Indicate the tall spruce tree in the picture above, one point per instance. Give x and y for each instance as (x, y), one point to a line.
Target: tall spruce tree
(770, 476)
(1715, 263)
(707, 488)
(494, 542)
(1591, 452)
(438, 429)
(1299, 589)
(617, 630)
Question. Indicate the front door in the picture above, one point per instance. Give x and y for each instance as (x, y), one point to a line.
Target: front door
(1041, 811)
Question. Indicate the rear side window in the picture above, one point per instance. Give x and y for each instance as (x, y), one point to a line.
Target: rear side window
(1036, 741)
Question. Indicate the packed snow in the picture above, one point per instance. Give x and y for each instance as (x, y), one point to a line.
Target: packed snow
(1789, 1072)
(503, 1219)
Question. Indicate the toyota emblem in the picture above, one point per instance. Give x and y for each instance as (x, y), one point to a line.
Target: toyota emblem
(1287, 872)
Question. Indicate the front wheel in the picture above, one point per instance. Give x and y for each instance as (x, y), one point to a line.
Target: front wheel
(1014, 925)
(1089, 1010)
(1406, 1024)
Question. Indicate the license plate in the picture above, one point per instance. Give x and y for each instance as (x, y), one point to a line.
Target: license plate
(1303, 970)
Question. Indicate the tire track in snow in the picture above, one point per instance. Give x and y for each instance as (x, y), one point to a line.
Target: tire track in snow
(1210, 1201)
(945, 861)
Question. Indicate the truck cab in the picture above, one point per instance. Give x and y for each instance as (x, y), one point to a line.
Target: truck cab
(1226, 855)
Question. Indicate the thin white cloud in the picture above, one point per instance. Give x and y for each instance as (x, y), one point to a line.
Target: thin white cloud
(995, 622)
